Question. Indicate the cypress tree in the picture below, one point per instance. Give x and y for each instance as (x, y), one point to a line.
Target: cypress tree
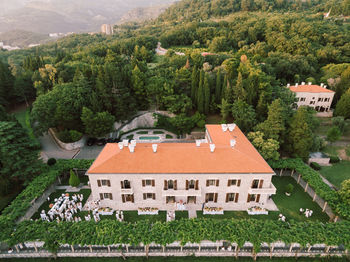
(200, 93)
(206, 94)
(218, 87)
(194, 83)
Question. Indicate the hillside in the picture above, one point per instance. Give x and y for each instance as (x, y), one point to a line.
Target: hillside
(51, 16)
(142, 14)
(23, 38)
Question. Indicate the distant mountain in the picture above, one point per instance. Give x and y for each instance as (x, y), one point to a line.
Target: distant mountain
(23, 38)
(51, 16)
(143, 13)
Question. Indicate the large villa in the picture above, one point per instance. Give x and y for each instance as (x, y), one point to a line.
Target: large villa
(224, 170)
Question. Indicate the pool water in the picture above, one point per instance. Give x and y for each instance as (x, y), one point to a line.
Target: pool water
(149, 137)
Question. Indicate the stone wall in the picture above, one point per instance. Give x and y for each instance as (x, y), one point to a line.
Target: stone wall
(67, 146)
(144, 119)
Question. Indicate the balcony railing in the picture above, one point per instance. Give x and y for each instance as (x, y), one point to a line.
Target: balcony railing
(182, 192)
(126, 191)
(264, 190)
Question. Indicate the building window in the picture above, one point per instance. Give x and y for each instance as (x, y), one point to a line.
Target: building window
(128, 198)
(326, 99)
(232, 197)
(170, 184)
(297, 99)
(191, 200)
(234, 182)
(149, 196)
(192, 184)
(211, 197)
(302, 99)
(257, 183)
(125, 184)
(253, 197)
(148, 182)
(212, 182)
(170, 199)
(103, 182)
(106, 196)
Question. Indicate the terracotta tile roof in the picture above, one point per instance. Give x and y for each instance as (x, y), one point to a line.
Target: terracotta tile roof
(176, 158)
(310, 89)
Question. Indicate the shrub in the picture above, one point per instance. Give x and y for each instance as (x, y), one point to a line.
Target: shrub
(289, 188)
(347, 150)
(315, 166)
(334, 159)
(69, 136)
(333, 134)
(51, 161)
(73, 179)
(75, 135)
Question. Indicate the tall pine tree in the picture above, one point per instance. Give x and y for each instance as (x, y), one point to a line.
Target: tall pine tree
(200, 93)
(206, 94)
(218, 87)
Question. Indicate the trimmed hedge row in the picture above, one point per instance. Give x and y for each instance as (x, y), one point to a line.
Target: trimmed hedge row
(37, 187)
(315, 181)
(107, 232)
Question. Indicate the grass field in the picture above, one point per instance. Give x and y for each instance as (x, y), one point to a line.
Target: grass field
(23, 117)
(337, 173)
(288, 206)
(174, 259)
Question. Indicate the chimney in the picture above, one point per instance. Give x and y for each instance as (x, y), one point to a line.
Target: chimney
(310, 83)
(224, 127)
(131, 148)
(325, 86)
(125, 142)
(231, 127)
(302, 83)
(133, 143)
(232, 143)
(322, 84)
(198, 142)
(296, 84)
(154, 147)
(212, 147)
(288, 85)
(120, 145)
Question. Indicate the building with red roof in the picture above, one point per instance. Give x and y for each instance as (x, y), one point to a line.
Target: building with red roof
(223, 170)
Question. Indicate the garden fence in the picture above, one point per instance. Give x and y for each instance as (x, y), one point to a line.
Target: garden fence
(311, 192)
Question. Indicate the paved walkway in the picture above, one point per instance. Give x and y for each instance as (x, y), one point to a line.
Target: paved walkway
(192, 213)
(51, 150)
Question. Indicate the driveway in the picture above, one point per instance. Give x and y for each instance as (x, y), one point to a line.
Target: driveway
(89, 152)
(51, 150)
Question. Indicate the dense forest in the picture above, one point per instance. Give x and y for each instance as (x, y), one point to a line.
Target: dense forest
(238, 57)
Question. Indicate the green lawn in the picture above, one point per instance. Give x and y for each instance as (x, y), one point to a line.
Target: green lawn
(132, 216)
(173, 259)
(142, 132)
(331, 150)
(23, 118)
(167, 136)
(181, 214)
(337, 173)
(288, 206)
(158, 132)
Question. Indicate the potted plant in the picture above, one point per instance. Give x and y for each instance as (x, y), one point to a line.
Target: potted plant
(289, 189)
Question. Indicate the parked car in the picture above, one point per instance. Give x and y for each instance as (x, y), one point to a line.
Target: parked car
(101, 142)
(110, 140)
(91, 141)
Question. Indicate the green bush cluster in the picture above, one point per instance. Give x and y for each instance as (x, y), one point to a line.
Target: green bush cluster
(334, 159)
(69, 136)
(315, 165)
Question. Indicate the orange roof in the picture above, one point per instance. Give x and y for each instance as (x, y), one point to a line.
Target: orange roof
(177, 158)
(310, 89)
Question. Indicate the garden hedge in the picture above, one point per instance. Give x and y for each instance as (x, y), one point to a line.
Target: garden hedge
(107, 232)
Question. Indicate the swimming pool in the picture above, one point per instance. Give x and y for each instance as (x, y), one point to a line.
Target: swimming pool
(149, 138)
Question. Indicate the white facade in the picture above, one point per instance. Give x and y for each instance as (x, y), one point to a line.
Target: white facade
(318, 97)
(217, 171)
(181, 194)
